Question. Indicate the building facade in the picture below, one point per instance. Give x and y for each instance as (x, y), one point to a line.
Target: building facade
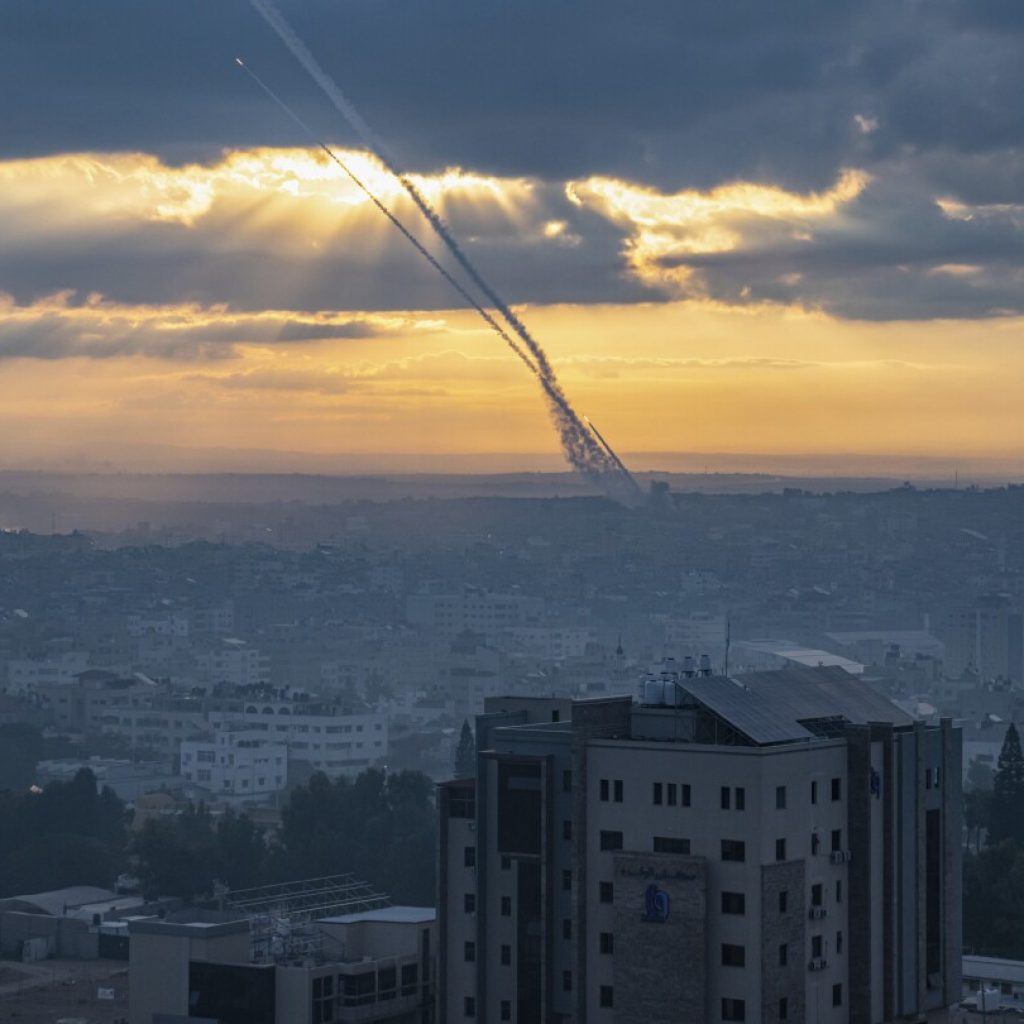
(784, 847)
(236, 766)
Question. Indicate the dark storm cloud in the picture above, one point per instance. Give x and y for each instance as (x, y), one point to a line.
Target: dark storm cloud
(924, 95)
(151, 262)
(896, 254)
(671, 93)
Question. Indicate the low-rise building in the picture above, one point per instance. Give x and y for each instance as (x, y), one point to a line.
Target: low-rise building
(236, 766)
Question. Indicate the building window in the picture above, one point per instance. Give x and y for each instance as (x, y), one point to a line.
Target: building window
(725, 798)
(469, 856)
(815, 843)
(814, 792)
(618, 791)
(607, 943)
(566, 981)
(837, 840)
(469, 1007)
(837, 995)
(816, 946)
(566, 880)
(567, 829)
(670, 794)
(506, 906)
(506, 955)
(783, 955)
(734, 849)
(734, 1009)
(506, 1010)
(469, 952)
(837, 789)
(783, 901)
(839, 942)
(816, 895)
(567, 928)
(606, 997)
(734, 903)
(733, 956)
(685, 793)
(607, 892)
(469, 903)
(670, 844)
(611, 840)
(567, 781)
(604, 790)
(839, 890)
(783, 1008)
(780, 849)
(657, 792)
(741, 798)
(780, 798)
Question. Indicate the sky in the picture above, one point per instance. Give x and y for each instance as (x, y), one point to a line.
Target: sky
(736, 227)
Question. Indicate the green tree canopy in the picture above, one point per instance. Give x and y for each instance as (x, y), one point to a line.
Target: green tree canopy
(1008, 791)
(465, 754)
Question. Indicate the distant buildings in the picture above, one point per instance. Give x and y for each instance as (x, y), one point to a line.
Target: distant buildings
(782, 847)
(985, 640)
(234, 767)
(477, 610)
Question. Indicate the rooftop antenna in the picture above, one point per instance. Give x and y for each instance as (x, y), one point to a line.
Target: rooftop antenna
(728, 642)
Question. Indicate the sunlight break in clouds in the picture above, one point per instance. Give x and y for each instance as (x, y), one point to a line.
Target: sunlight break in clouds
(664, 225)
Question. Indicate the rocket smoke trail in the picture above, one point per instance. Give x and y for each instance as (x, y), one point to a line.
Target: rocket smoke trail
(610, 450)
(408, 235)
(557, 400)
(581, 449)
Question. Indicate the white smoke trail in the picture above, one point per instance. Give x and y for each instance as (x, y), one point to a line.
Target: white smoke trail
(581, 449)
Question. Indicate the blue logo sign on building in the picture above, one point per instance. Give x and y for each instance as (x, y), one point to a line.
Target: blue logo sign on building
(656, 904)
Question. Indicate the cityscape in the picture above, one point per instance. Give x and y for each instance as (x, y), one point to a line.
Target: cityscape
(511, 511)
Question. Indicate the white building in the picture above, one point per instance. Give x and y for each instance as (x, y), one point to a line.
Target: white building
(323, 736)
(784, 847)
(236, 766)
(25, 675)
(477, 610)
(236, 662)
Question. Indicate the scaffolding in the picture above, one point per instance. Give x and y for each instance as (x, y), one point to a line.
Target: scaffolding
(281, 917)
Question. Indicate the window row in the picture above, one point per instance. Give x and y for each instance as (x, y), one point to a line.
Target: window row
(670, 794)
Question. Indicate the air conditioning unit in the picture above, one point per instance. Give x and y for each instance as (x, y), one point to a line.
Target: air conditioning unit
(817, 913)
(840, 857)
(817, 964)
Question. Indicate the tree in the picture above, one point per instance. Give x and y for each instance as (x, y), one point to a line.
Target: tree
(21, 747)
(977, 814)
(465, 754)
(1007, 820)
(994, 901)
(979, 775)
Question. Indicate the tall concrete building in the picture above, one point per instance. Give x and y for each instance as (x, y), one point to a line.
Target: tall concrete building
(780, 847)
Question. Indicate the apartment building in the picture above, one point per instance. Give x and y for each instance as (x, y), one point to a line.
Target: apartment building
(322, 735)
(783, 847)
(236, 766)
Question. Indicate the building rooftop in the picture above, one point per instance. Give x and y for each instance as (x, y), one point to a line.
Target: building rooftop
(388, 915)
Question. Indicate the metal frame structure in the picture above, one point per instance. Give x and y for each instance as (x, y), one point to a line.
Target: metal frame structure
(281, 915)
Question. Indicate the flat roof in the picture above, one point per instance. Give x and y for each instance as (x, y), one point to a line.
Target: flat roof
(388, 915)
(993, 968)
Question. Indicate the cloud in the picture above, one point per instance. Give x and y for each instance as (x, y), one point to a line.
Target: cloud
(66, 325)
